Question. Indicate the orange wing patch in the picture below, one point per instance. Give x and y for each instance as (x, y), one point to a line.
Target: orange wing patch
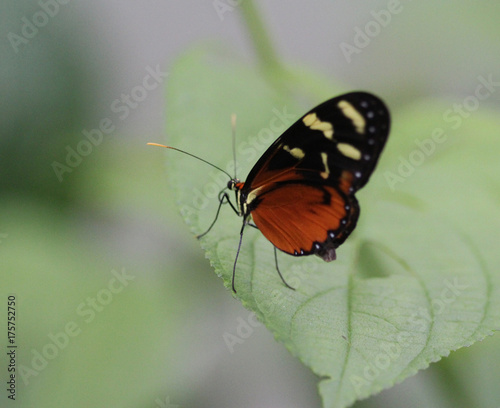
(295, 217)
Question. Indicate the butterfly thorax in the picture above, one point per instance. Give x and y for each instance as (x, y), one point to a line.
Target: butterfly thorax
(236, 185)
(245, 198)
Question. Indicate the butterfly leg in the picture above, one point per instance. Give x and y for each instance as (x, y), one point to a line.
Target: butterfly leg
(223, 198)
(278, 269)
(238, 252)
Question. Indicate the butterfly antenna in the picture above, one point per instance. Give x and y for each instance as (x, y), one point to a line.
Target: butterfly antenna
(192, 155)
(233, 132)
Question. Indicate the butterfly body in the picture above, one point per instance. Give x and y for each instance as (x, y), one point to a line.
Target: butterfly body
(300, 193)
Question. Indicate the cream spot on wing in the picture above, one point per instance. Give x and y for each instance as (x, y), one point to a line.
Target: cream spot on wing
(309, 119)
(349, 150)
(324, 158)
(252, 195)
(295, 152)
(357, 119)
(312, 122)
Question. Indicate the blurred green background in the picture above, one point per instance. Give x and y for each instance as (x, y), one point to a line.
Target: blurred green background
(69, 226)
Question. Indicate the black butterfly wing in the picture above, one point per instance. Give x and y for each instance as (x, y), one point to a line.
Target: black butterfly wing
(344, 134)
(301, 191)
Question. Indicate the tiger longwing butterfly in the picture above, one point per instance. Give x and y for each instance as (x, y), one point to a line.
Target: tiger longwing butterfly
(301, 192)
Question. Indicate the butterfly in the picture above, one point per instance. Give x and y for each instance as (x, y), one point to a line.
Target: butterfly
(301, 192)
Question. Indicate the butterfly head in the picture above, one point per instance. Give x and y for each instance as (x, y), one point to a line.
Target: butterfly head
(234, 184)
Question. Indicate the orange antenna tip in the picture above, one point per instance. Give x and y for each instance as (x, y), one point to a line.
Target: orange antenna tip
(159, 145)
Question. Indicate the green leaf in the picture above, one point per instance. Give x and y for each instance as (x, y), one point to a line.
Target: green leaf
(417, 278)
